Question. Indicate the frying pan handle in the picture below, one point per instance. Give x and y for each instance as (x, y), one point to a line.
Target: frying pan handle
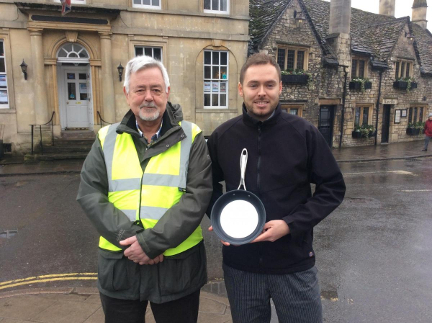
(243, 163)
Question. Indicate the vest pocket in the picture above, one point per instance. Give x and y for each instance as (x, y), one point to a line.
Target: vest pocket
(113, 271)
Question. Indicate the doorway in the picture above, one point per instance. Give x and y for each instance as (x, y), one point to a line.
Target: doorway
(325, 123)
(385, 124)
(74, 85)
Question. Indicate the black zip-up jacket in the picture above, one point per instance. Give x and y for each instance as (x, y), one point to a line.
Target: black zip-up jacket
(286, 155)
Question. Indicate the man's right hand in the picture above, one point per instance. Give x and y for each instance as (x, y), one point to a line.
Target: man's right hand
(136, 254)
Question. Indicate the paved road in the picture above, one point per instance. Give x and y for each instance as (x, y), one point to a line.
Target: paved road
(373, 253)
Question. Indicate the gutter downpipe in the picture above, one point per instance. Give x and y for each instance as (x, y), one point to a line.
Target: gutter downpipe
(343, 104)
(377, 107)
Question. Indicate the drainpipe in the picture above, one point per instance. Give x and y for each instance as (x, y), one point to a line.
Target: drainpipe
(377, 107)
(343, 104)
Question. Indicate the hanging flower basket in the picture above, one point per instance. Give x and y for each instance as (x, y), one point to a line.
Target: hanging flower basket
(358, 85)
(405, 84)
(412, 131)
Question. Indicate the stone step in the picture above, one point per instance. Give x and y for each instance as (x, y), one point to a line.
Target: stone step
(78, 134)
(71, 149)
(28, 158)
(61, 142)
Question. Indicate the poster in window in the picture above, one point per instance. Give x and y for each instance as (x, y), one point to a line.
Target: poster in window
(3, 80)
(404, 113)
(207, 86)
(397, 116)
(215, 87)
(223, 87)
(3, 97)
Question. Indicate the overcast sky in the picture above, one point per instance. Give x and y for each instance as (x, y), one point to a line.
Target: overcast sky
(403, 8)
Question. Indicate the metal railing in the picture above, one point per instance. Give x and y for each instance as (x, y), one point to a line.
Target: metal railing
(40, 132)
(102, 121)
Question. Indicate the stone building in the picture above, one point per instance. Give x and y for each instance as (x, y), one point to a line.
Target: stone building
(72, 61)
(349, 69)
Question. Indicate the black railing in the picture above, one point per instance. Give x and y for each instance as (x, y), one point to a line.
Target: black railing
(102, 121)
(40, 132)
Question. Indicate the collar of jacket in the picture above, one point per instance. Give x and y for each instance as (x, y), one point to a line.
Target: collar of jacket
(172, 115)
(252, 122)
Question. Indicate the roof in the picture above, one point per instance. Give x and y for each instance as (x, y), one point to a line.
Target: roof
(372, 34)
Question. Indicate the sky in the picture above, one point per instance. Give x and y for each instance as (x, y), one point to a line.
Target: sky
(403, 8)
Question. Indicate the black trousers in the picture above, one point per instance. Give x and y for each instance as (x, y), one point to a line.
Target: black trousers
(183, 310)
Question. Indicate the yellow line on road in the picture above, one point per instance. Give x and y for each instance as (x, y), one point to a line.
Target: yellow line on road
(47, 278)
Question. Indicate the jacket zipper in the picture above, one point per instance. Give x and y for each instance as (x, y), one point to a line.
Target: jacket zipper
(258, 186)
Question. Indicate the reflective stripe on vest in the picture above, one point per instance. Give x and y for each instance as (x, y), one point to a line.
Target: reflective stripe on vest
(158, 189)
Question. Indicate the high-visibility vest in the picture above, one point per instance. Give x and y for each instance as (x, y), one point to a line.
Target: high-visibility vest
(145, 197)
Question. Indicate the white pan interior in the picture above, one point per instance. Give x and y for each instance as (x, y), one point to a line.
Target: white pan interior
(239, 219)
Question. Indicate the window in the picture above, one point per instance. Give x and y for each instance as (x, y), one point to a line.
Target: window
(215, 79)
(403, 69)
(216, 6)
(4, 101)
(359, 68)
(147, 4)
(416, 114)
(292, 58)
(155, 52)
(296, 110)
(363, 116)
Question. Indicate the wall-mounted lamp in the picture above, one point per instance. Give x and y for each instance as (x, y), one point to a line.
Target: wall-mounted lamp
(120, 69)
(24, 69)
(409, 36)
(299, 19)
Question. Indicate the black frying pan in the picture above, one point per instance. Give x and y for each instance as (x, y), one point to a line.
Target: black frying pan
(238, 216)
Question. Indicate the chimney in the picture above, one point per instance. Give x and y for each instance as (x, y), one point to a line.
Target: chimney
(387, 7)
(419, 10)
(340, 16)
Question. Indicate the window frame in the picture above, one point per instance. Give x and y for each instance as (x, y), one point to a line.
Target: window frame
(361, 109)
(211, 80)
(296, 49)
(420, 115)
(398, 70)
(365, 71)
(288, 107)
(146, 6)
(152, 48)
(226, 12)
(74, 1)
(5, 73)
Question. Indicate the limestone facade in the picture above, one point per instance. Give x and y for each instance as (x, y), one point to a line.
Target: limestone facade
(107, 34)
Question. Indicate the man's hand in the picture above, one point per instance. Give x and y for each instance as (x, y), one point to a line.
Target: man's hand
(223, 242)
(136, 254)
(273, 230)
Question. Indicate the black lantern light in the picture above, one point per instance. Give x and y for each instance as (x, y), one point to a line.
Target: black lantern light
(24, 69)
(120, 69)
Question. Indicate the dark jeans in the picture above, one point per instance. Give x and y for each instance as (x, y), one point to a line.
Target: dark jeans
(183, 310)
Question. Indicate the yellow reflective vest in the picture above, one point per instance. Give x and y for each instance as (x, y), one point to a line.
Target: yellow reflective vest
(146, 196)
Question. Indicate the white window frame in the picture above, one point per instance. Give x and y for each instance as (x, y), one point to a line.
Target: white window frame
(147, 6)
(215, 80)
(217, 11)
(149, 47)
(3, 105)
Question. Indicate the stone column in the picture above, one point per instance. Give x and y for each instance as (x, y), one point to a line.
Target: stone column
(38, 77)
(108, 98)
(387, 7)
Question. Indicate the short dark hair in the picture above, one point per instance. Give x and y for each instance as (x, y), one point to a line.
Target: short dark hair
(259, 59)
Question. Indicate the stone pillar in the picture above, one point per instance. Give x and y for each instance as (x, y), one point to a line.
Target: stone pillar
(340, 16)
(108, 98)
(38, 77)
(419, 11)
(387, 7)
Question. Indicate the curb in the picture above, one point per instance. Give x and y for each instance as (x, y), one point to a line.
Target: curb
(381, 159)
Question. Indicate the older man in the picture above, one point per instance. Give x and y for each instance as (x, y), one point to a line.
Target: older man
(145, 186)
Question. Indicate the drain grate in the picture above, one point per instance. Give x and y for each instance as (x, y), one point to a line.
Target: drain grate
(8, 234)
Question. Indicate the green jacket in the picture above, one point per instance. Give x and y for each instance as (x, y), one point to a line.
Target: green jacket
(178, 275)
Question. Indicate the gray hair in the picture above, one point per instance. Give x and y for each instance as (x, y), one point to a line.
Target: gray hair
(142, 62)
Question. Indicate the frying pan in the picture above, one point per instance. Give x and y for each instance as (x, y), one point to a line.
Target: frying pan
(238, 216)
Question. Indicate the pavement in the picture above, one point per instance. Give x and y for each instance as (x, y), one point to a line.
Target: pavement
(49, 305)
